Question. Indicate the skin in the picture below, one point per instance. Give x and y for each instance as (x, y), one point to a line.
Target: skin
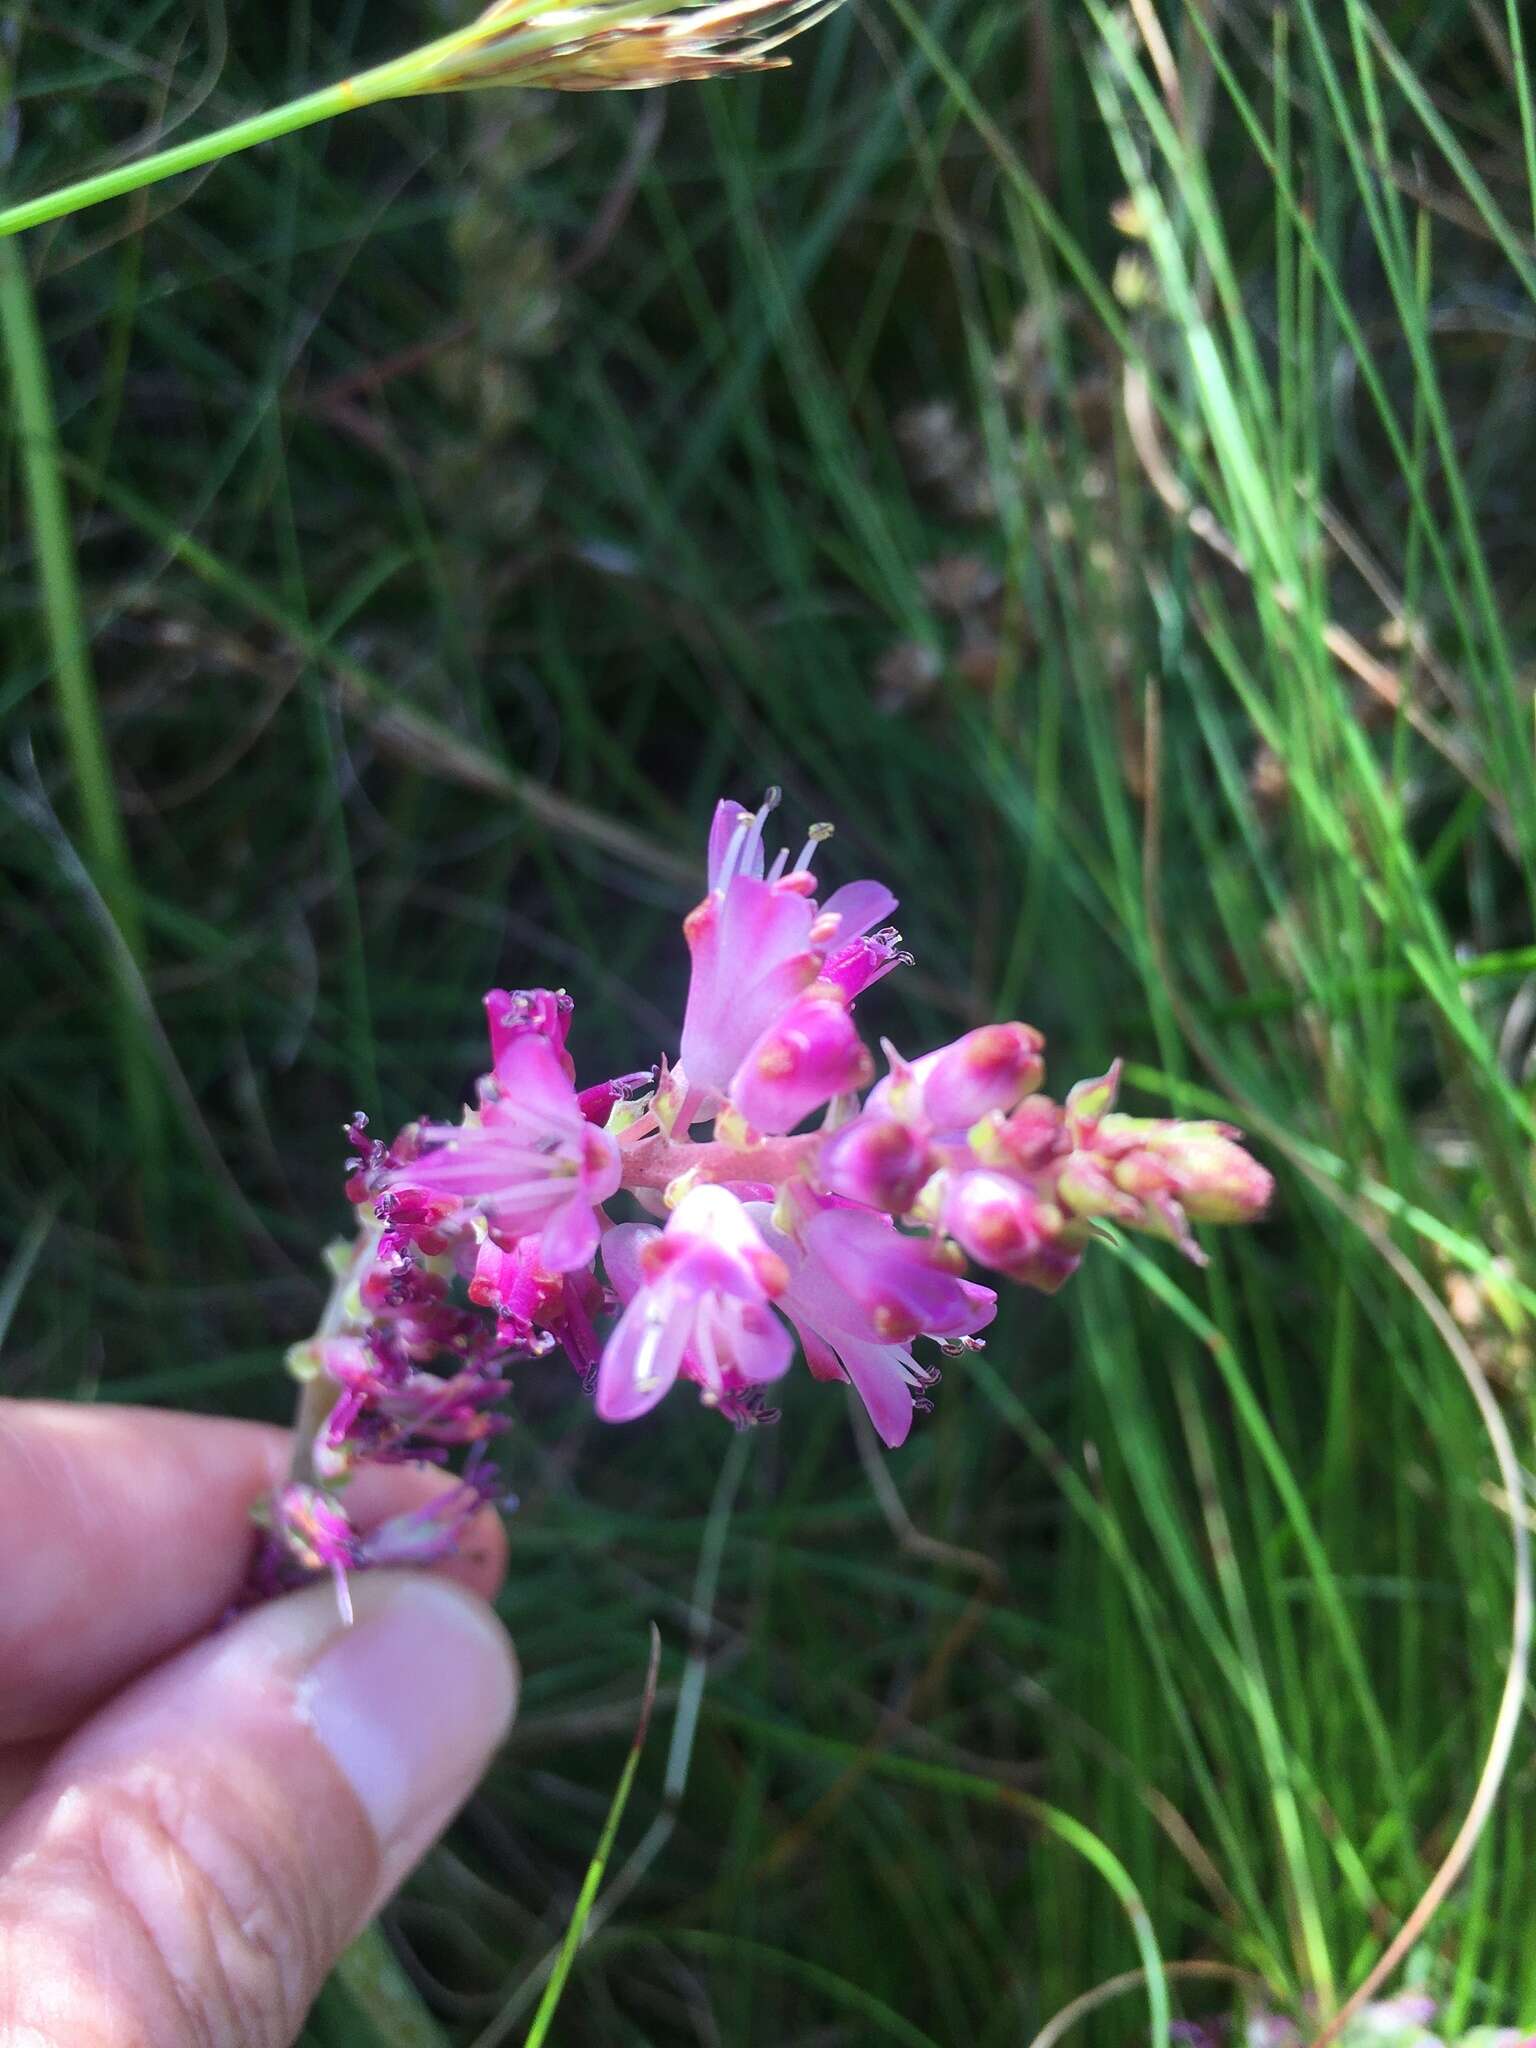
(182, 1855)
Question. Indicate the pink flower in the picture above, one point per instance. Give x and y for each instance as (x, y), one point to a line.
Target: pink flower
(859, 1293)
(757, 940)
(531, 1163)
(511, 1013)
(810, 1054)
(537, 1310)
(697, 1301)
(860, 963)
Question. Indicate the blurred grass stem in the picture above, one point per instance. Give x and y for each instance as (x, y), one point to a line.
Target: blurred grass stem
(106, 843)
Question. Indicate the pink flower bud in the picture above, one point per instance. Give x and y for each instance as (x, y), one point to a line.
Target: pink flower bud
(1032, 1136)
(877, 1161)
(598, 1104)
(985, 1070)
(1084, 1186)
(1214, 1178)
(1004, 1223)
(811, 1053)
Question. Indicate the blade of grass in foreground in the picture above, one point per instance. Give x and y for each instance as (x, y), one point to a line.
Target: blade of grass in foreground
(106, 842)
(543, 2019)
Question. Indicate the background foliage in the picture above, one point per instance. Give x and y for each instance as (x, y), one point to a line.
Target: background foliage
(1091, 462)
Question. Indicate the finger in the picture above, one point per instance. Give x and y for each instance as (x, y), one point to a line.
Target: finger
(195, 1859)
(127, 1532)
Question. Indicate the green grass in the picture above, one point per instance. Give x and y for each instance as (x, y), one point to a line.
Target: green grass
(465, 493)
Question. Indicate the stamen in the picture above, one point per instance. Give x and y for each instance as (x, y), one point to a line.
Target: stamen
(773, 796)
(816, 835)
(733, 851)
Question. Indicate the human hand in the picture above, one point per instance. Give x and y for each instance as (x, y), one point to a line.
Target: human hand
(193, 1825)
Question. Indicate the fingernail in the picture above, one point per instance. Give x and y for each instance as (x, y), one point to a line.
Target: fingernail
(411, 1701)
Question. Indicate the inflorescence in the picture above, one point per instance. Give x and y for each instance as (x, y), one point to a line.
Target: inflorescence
(488, 1242)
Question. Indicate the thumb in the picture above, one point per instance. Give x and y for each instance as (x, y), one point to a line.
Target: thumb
(196, 1857)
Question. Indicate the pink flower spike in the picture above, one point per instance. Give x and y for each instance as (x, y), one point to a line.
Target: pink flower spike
(697, 1306)
(810, 1054)
(877, 1161)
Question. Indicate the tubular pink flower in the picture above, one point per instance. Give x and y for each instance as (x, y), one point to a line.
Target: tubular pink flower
(510, 1013)
(531, 1164)
(697, 1301)
(877, 1161)
(811, 1053)
(757, 941)
(860, 963)
(859, 1293)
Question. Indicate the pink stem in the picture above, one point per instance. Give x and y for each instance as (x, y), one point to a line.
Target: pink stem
(659, 1161)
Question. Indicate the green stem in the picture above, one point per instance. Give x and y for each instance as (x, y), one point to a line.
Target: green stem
(186, 156)
(105, 841)
(317, 1395)
(436, 66)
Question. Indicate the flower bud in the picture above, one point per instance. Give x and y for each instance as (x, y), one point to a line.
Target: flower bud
(985, 1070)
(509, 1013)
(1214, 1179)
(1089, 1100)
(877, 1161)
(1004, 1224)
(1085, 1187)
(1030, 1138)
(810, 1054)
